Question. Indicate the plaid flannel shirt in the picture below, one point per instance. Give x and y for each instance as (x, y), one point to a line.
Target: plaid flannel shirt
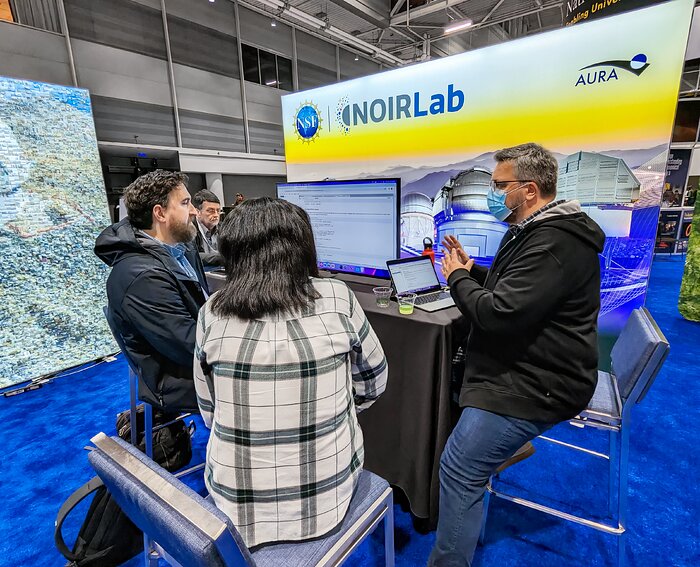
(280, 395)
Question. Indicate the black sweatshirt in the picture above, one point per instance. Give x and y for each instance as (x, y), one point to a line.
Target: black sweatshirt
(532, 352)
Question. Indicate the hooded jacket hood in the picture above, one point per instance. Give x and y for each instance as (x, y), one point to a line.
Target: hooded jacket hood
(119, 241)
(569, 217)
(116, 241)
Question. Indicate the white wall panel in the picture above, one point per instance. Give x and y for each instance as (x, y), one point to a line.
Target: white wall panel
(117, 73)
(257, 30)
(243, 164)
(351, 69)
(264, 103)
(216, 15)
(693, 50)
(207, 92)
(316, 51)
(33, 55)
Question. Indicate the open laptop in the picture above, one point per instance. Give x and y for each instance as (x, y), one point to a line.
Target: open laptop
(417, 275)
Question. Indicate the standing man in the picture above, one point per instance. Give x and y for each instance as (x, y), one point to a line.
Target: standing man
(532, 354)
(208, 215)
(156, 286)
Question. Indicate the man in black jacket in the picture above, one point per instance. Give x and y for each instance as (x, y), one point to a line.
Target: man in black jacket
(208, 215)
(156, 286)
(532, 355)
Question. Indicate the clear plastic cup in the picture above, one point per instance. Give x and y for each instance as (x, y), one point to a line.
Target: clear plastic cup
(382, 295)
(406, 303)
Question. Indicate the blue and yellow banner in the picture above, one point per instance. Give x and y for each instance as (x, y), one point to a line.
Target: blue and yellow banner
(608, 84)
(600, 95)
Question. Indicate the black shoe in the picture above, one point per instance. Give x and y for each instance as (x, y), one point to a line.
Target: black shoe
(521, 454)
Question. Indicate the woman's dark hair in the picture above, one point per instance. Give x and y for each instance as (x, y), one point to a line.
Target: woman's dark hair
(269, 255)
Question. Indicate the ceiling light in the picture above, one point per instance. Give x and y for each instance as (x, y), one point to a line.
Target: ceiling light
(273, 23)
(271, 83)
(357, 58)
(457, 26)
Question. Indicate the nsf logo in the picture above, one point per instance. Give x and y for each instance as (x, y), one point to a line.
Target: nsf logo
(307, 122)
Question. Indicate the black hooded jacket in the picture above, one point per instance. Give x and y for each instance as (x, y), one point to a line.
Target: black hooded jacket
(532, 352)
(154, 304)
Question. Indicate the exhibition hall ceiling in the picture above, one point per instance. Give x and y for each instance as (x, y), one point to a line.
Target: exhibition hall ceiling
(395, 32)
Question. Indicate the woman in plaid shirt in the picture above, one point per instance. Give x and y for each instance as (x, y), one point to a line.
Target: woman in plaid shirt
(283, 362)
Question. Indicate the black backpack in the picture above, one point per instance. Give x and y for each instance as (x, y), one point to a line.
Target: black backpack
(172, 446)
(108, 537)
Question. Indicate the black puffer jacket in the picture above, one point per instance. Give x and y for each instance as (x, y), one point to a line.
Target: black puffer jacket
(154, 304)
(532, 352)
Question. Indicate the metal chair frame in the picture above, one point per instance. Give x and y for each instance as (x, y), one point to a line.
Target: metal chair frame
(150, 547)
(617, 425)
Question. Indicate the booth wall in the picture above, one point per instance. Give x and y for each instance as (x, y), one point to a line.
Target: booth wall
(600, 95)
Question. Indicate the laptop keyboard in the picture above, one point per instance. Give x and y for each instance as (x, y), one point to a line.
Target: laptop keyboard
(430, 297)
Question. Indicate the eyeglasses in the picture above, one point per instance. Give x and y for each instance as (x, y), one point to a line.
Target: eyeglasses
(500, 186)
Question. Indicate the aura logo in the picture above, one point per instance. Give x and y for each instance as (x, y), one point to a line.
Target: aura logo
(307, 122)
(398, 107)
(607, 70)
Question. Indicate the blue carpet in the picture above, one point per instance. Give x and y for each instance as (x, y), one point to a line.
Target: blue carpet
(43, 461)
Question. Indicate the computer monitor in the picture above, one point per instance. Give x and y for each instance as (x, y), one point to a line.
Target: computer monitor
(355, 223)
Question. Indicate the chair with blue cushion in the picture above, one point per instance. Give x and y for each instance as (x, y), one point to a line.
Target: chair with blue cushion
(192, 532)
(636, 359)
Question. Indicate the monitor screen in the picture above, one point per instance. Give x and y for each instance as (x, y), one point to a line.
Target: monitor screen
(355, 223)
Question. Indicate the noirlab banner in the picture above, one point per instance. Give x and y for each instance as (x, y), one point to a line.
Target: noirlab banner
(602, 97)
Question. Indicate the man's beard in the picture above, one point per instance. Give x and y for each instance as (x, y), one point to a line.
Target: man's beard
(184, 232)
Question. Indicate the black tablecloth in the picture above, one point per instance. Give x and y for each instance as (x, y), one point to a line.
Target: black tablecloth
(407, 428)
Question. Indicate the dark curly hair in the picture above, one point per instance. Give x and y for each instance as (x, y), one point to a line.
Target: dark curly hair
(146, 192)
(269, 255)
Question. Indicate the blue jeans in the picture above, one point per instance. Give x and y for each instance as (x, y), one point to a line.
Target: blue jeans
(478, 445)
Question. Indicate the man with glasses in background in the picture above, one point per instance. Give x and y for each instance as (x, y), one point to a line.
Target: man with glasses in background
(532, 350)
(208, 215)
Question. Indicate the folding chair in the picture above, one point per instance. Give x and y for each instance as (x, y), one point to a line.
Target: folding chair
(192, 532)
(148, 428)
(134, 394)
(636, 357)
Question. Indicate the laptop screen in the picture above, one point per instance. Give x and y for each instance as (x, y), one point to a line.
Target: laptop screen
(413, 275)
